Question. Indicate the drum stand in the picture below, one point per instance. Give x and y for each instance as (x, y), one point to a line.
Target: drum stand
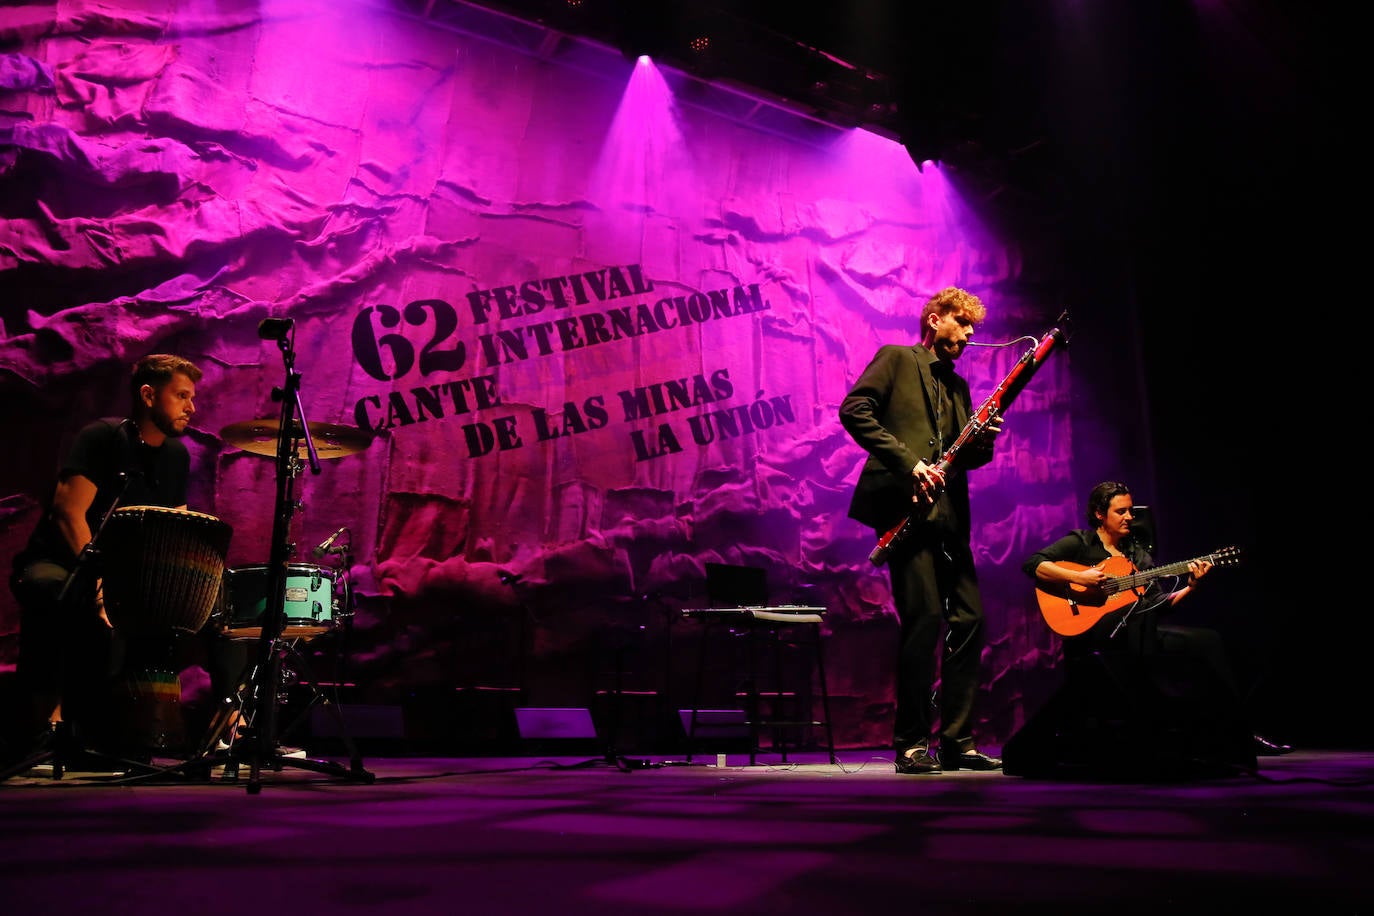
(238, 712)
(344, 616)
(258, 741)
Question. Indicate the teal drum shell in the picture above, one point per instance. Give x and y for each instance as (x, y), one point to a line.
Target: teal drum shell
(311, 605)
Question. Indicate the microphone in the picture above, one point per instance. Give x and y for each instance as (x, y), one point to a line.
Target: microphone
(275, 328)
(327, 546)
(974, 343)
(509, 578)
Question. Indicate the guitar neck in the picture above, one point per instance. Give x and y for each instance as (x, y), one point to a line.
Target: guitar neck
(1135, 580)
(1071, 609)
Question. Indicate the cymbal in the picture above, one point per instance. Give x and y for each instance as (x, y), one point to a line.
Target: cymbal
(331, 440)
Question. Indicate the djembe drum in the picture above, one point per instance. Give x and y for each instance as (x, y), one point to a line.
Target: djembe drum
(163, 570)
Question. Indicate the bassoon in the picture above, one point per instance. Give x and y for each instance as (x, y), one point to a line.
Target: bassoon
(996, 404)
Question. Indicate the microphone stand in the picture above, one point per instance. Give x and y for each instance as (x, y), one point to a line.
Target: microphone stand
(261, 736)
(92, 549)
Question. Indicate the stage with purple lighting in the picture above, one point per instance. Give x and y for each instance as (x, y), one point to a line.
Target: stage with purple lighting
(569, 326)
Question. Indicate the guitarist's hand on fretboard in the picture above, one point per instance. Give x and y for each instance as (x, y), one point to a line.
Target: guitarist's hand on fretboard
(1197, 569)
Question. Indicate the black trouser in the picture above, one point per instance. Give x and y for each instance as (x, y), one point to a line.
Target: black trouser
(935, 586)
(1179, 679)
(67, 654)
(1144, 637)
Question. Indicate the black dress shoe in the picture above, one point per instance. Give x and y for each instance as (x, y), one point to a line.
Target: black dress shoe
(969, 760)
(1265, 748)
(918, 761)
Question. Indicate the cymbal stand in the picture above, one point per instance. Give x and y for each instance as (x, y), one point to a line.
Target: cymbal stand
(260, 737)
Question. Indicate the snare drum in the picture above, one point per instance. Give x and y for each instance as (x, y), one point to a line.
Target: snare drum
(162, 568)
(311, 606)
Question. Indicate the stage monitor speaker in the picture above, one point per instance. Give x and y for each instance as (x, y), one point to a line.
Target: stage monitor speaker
(1115, 719)
(357, 720)
(715, 723)
(561, 722)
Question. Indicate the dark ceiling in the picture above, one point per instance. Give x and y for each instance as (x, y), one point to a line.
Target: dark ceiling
(1035, 110)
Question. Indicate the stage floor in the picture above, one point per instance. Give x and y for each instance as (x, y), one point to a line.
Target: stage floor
(577, 835)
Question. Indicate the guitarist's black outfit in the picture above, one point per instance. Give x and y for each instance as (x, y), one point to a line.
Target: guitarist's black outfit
(1139, 633)
(1134, 633)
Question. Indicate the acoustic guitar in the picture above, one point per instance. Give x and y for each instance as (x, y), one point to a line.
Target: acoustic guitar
(1071, 609)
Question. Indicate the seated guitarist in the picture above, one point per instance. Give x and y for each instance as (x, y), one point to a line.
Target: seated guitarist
(1081, 563)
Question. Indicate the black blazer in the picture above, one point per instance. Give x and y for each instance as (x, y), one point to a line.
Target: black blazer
(890, 412)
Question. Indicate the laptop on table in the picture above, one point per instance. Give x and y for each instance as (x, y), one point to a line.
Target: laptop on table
(738, 589)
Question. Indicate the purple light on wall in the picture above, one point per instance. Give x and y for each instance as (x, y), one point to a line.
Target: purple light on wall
(644, 165)
(874, 159)
(920, 221)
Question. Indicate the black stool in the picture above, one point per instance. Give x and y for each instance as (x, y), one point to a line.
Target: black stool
(774, 628)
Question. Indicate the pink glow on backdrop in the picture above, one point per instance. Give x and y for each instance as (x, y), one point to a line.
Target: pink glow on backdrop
(644, 162)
